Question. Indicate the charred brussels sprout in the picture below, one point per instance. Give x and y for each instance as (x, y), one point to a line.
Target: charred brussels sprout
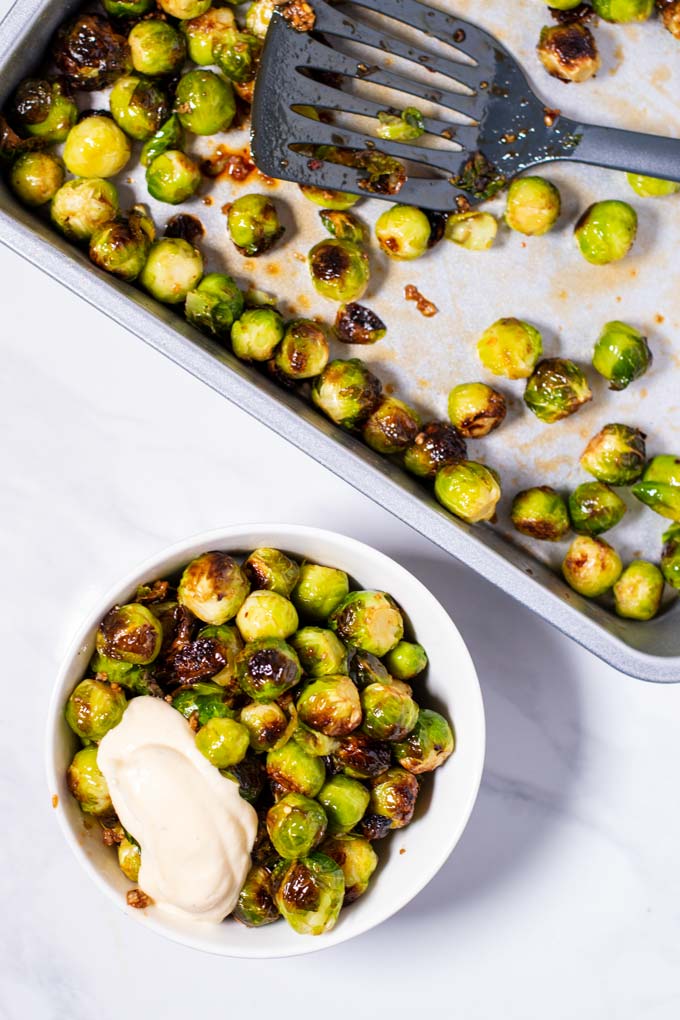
(356, 324)
(309, 894)
(344, 800)
(257, 334)
(214, 305)
(172, 269)
(296, 825)
(392, 427)
(660, 486)
(266, 614)
(428, 745)
(436, 446)
(122, 246)
(172, 177)
(223, 741)
(36, 177)
(370, 620)
(184, 9)
(595, 508)
(272, 570)
(250, 776)
(670, 16)
(540, 513)
(303, 352)
(357, 859)
(533, 207)
(320, 652)
(652, 187)
(96, 147)
(406, 660)
(129, 859)
(361, 757)
(330, 705)
(390, 713)
(339, 270)
(316, 744)
(267, 669)
(204, 32)
(569, 52)
(87, 784)
(344, 225)
(347, 392)
(138, 106)
(90, 54)
(670, 556)
(204, 102)
(616, 455)
(44, 109)
(253, 224)
(82, 206)
(256, 906)
(557, 389)
(213, 587)
(403, 232)
(393, 801)
(476, 409)
(621, 355)
(621, 11)
(267, 723)
(295, 771)
(228, 643)
(319, 590)
(510, 348)
(329, 199)
(475, 231)
(606, 232)
(157, 48)
(638, 592)
(469, 490)
(130, 633)
(591, 566)
(203, 701)
(364, 668)
(94, 708)
(237, 55)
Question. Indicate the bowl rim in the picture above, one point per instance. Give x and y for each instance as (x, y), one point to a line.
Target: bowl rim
(215, 537)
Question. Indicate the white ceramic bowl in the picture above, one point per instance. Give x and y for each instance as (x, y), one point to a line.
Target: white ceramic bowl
(409, 857)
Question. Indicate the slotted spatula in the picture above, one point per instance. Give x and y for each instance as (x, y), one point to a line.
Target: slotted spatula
(506, 127)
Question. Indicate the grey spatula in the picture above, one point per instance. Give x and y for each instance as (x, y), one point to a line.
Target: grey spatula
(497, 126)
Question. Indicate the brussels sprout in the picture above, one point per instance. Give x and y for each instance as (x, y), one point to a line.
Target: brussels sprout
(329, 199)
(215, 304)
(670, 16)
(172, 269)
(129, 859)
(138, 106)
(392, 427)
(250, 776)
(371, 620)
(184, 9)
(296, 825)
(403, 127)
(223, 741)
(670, 557)
(266, 614)
(237, 54)
(172, 177)
(267, 669)
(510, 348)
(213, 587)
(122, 246)
(390, 713)
(253, 224)
(44, 109)
(321, 654)
(428, 745)
(87, 783)
(403, 232)
(591, 566)
(595, 508)
(94, 708)
(227, 643)
(157, 48)
(90, 54)
(557, 388)
(436, 446)
(204, 32)
(319, 590)
(96, 147)
(569, 51)
(256, 906)
(621, 355)
(475, 231)
(36, 177)
(309, 894)
(534, 204)
(257, 334)
(357, 859)
(469, 490)
(347, 392)
(616, 455)
(406, 660)
(330, 705)
(204, 102)
(303, 352)
(132, 678)
(652, 187)
(623, 10)
(203, 701)
(267, 724)
(344, 226)
(606, 232)
(258, 16)
(340, 271)
(540, 513)
(82, 206)
(638, 591)
(663, 468)
(476, 409)
(168, 136)
(316, 744)
(130, 633)
(563, 5)
(660, 486)
(356, 324)
(293, 770)
(272, 570)
(364, 668)
(361, 757)
(393, 801)
(127, 8)
(344, 800)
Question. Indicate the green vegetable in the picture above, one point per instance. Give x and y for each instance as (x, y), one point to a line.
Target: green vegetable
(403, 232)
(169, 136)
(214, 305)
(616, 455)
(253, 224)
(357, 859)
(469, 490)
(257, 334)
(129, 859)
(392, 427)
(406, 660)
(329, 199)
(670, 557)
(303, 352)
(344, 800)
(213, 587)
(256, 906)
(428, 745)
(557, 389)
(595, 508)
(330, 705)
(291, 769)
(638, 591)
(438, 445)
(184, 9)
(309, 894)
(258, 17)
(172, 177)
(204, 102)
(316, 744)
(344, 226)
(130, 633)
(96, 147)
(121, 246)
(319, 591)
(172, 269)
(94, 708)
(390, 713)
(606, 232)
(272, 570)
(132, 678)
(138, 106)
(623, 10)
(83, 205)
(268, 725)
(156, 47)
(339, 270)
(660, 486)
(533, 207)
(393, 801)
(370, 620)
(203, 33)
(87, 784)
(569, 51)
(224, 742)
(204, 700)
(267, 668)
(266, 614)
(320, 651)
(475, 231)
(127, 8)
(621, 355)
(347, 392)
(591, 566)
(476, 409)
(510, 348)
(403, 127)
(540, 513)
(361, 757)
(44, 109)
(652, 187)
(237, 54)
(90, 54)
(296, 825)
(36, 177)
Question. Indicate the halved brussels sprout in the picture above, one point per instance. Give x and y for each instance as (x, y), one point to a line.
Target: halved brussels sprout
(121, 246)
(227, 643)
(390, 713)
(510, 348)
(370, 620)
(96, 147)
(170, 136)
(82, 206)
(90, 54)
(272, 570)
(540, 513)
(476, 409)
(291, 769)
(268, 725)
(130, 633)
(345, 801)
(203, 701)
(364, 668)
(652, 187)
(623, 10)
(319, 590)
(606, 232)
(638, 591)
(223, 741)
(393, 801)
(316, 744)
(403, 127)
(621, 355)
(329, 199)
(44, 109)
(557, 389)
(670, 556)
(138, 106)
(94, 708)
(330, 705)
(361, 757)
(320, 651)
(406, 660)
(173, 268)
(36, 177)
(357, 859)
(129, 858)
(347, 392)
(267, 669)
(296, 824)
(204, 102)
(340, 271)
(172, 177)
(469, 490)
(237, 54)
(660, 486)
(87, 783)
(156, 47)
(266, 614)
(616, 455)
(591, 566)
(534, 206)
(475, 231)
(257, 334)
(202, 33)
(303, 352)
(253, 224)
(595, 508)
(357, 324)
(215, 305)
(569, 51)
(344, 225)
(428, 745)
(436, 446)
(213, 587)
(392, 427)
(403, 232)
(309, 894)
(256, 906)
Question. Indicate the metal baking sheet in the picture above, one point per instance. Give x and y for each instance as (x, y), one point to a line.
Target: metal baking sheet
(543, 280)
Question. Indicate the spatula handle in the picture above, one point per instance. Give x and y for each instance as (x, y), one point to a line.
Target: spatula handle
(636, 153)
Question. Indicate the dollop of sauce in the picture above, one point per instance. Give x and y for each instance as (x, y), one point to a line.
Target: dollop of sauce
(195, 830)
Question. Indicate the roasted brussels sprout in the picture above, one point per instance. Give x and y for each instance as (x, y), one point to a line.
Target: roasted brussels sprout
(329, 199)
(121, 246)
(184, 9)
(623, 10)
(172, 177)
(621, 355)
(138, 106)
(670, 16)
(393, 801)
(591, 566)
(90, 54)
(534, 204)
(94, 708)
(319, 590)
(250, 776)
(476, 409)
(658, 491)
(344, 225)
(214, 305)
(670, 556)
(272, 570)
(266, 614)
(204, 102)
(223, 741)
(213, 587)
(344, 800)
(428, 745)
(616, 455)
(309, 894)
(595, 508)
(540, 513)
(638, 591)
(268, 725)
(227, 643)
(347, 392)
(475, 231)
(258, 16)
(96, 147)
(469, 490)
(203, 701)
(330, 705)
(392, 427)
(130, 633)
(403, 232)
(303, 353)
(267, 669)
(132, 678)
(403, 127)
(436, 446)
(296, 825)
(316, 744)
(606, 232)
(370, 620)
(256, 906)
(156, 48)
(556, 389)
(257, 334)
(129, 858)
(291, 769)
(510, 348)
(569, 51)
(204, 32)
(361, 757)
(253, 224)
(127, 8)
(356, 324)
(357, 859)
(320, 652)
(44, 109)
(390, 713)
(83, 205)
(87, 784)
(339, 270)
(172, 269)
(652, 187)
(364, 668)
(406, 660)
(36, 177)
(237, 54)
(169, 136)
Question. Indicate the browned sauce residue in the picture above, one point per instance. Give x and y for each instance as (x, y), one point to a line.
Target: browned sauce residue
(425, 307)
(659, 318)
(208, 200)
(55, 800)
(138, 899)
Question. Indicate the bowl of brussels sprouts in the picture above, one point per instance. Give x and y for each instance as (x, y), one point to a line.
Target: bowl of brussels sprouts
(325, 683)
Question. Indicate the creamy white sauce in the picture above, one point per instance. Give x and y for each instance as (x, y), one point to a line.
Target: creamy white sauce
(195, 830)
